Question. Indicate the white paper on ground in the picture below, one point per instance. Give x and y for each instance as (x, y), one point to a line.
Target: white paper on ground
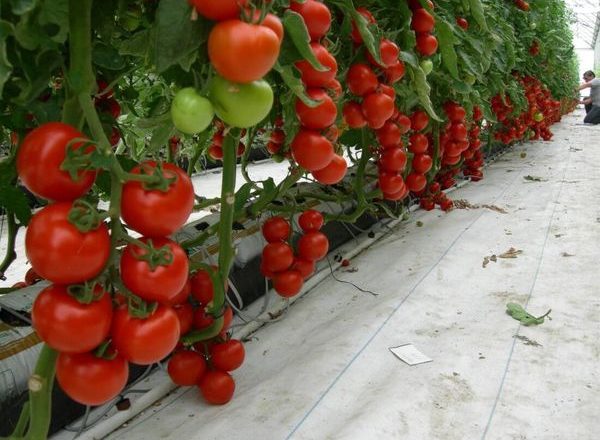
(409, 354)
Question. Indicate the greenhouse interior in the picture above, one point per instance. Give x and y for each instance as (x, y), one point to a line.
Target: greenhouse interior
(299, 219)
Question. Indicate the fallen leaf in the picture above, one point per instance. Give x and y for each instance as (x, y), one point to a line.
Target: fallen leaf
(565, 254)
(511, 253)
(534, 178)
(486, 261)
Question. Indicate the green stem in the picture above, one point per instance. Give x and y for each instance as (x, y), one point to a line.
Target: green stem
(21, 425)
(199, 150)
(10, 255)
(40, 392)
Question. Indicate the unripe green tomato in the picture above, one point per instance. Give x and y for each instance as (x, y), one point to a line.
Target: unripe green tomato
(191, 113)
(470, 79)
(533, 25)
(241, 105)
(427, 66)
(538, 117)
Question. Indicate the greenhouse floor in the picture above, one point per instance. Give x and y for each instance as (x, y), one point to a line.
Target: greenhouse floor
(528, 233)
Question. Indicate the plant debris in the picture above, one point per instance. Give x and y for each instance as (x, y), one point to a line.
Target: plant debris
(534, 179)
(520, 314)
(465, 204)
(528, 341)
(511, 253)
(566, 254)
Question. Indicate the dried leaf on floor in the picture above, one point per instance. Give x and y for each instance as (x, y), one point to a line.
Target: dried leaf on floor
(511, 253)
(566, 254)
(465, 204)
(486, 261)
(534, 178)
(528, 341)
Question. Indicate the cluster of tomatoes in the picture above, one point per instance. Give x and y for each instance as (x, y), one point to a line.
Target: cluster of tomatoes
(433, 195)
(286, 270)
(473, 155)
(242, 53)
(522, 5)
(423, 23)
(313, 146)
(215, 150)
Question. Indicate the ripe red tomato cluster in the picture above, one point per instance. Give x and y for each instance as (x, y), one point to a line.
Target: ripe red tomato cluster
(208, 367)
(423, 24)
(313, 146)
(433, 195)
(288, 271)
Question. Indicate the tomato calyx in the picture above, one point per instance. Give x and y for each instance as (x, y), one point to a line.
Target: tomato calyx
(159, 180)
(78, 158)
(105, 351)
(85, 217)
(86, 293)
(155, 257)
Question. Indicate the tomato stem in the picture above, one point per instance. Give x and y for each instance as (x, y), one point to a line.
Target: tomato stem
(10, 255)
(40, 392)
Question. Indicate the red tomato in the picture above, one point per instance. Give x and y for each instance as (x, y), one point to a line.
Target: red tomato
(427, 44)
(377, 108)
(335, 89)
(319, 117)
(404, 123)
(57, 316)
(400, 195)
(227, 356)
(455, 112)
(186, 368)
(59, 252)
(311, 76)
(353, 115)
(395, 72)
(389, 53)
(458, 132)
(332, 133)
(277, 256)
(32, 277)
(311, 220)
(422, 21)
(313, 246)
(332, 173)
(419, 120)
(416, 182)
(305, 267)
(288, 283)
(368, 17)
(272, 22)
(185, 314)
(276, 229)
(277, 136)
(393, 160)
(90, 380)
(215, 152)
(39, 159)
(311, 150)
(418, 143)
(390, 183)
(153, 212)
(463, 23)
(148, 340)
(427, 204)
(389, 135)
(361, 80)
(183, 294)
(219, 10)
(316, 15)
(202, 319)
(242, 52)
(422, 163)
(202, 286)
(217, 387)
(161, 283)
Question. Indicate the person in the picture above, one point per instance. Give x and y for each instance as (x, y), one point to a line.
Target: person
(593, 102)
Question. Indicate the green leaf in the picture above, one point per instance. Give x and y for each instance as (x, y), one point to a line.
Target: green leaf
(54, 16)
(176, 34)
(446, 41)
(161, 135)
(409, 58)
(242, 196)
(369, 40)
(6, 29)
(107, 57)
(296, 30)
(12, 198)
(267, 195)
(423, 89)
(20, 7)
(136, 45)
(478, 13)
(517, 312)
(294, 84)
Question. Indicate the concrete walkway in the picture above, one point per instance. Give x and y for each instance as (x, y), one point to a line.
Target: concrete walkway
(325, 371)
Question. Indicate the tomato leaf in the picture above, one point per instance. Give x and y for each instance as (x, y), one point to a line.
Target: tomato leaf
(20, 7)
(241, 197)
(419, 79)
(295, 28)
(12, 198)
(478, 14)
(517, 312)
(294, 83)
(267, 195)
(107, 57)
(176, 34)
(446, 41)
(5, 65)
(409, 58)
(369, 40)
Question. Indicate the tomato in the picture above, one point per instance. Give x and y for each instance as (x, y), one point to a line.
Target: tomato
(416, 182)
(153, 212)
(313, 246)
(185, 314)
(242, 52)
(311, 150)
(332, 133)
(361, 80)
(451, 160)
(390, 183)
(109, 106)
(277, 256)
(389, 135)
(201, 319)
(202, 286)
(227, 356)
(57, 316)
(393, 160)
(305, 267)
(276, 229)
(288, 283)
(404, 122)
(32, 277)
(227, 318)
(422, 21)
(39, 159)
(395, 72)
(455, 112)
(422, 163)
(241, 105)
(311, 220)
(335, 89)
(215, 152)
(219, 10)
(186, 368)
(419, 120)
(368, 17)
(217, 387)
(427, 44)
(319, 117)
(191, 112)
(388, 52)
(271, 21)
(435, 187)
(427, 204)
(19, 285)
(462, 22)
(90, 380)
(401, 194)
(418, 143)
(144, 341)
(458, 132)
(377, 108)
(353, 115)
(316, 15)
(59, 252)
(313, 77)
(183, 294)
(161, 283)
(332, 173)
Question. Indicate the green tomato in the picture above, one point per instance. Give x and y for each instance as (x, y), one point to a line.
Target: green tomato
(427, 66)
(241, 105)
(191, 113)
(470, 79)
(538, 117)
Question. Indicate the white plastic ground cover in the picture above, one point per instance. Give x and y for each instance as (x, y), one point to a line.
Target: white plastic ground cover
(326, 372)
